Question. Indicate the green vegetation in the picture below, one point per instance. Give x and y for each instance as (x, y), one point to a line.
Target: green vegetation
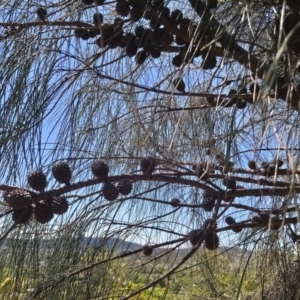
(208, 275)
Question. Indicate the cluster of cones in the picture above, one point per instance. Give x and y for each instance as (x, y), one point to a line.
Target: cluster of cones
(152, 38)
(206, 233)
(24, 204)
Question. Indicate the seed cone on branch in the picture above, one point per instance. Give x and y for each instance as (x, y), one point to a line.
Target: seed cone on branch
(177, 61)
(122, 8)
(211, 241)
(229, 220)
(100, 169)
(154, 24)
(209, 61)
(212, 224)
(127, 39)
(141, 57)
(62, 172)
(241, 89)
(165, 12)
(131, 49)
(136, 13)
(113, 43)
(43, 212)
(148, 165)
(18, 199)
(158, 4)
(82, 33)
(230, 183)
(264, 168)
(278, 162)
(271, 170)
(252, 164)
(195, 236)
(122, 42)
(189, 52)
(110, 192)
(37, 180)
(232, 93)
(97, 18)
(264, 217)
(179, 41)
(241, 104)
(175, 17)
(118, 22)
(85, 36)
(22, 216)
(147, 250)
(256, 219)
(155, 35)
(107, 33)
(175, 202)
(179, 85)
(254, 88)
(41, 13)
(139, 31)
(59, 205)
(237, 229)
(208, 202)
(92, 34)
(148, 47)
(124, 186)
(155, 52)
(139, 43)
(212, 4)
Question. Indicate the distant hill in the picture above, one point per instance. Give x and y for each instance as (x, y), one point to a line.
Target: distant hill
(114, 244)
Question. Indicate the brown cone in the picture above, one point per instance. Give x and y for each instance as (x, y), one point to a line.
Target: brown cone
(37, 180)
(59, 205)
(110, 192)
(147, 250)
(18, 199)
(62, 172)
(43, 213)
(100, 169)
(148, 165)
(22, 216)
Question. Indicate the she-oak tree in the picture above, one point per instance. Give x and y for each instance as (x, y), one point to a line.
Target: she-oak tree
(171, 124)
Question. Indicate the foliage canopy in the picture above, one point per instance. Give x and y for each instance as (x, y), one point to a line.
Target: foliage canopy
(206, 92)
